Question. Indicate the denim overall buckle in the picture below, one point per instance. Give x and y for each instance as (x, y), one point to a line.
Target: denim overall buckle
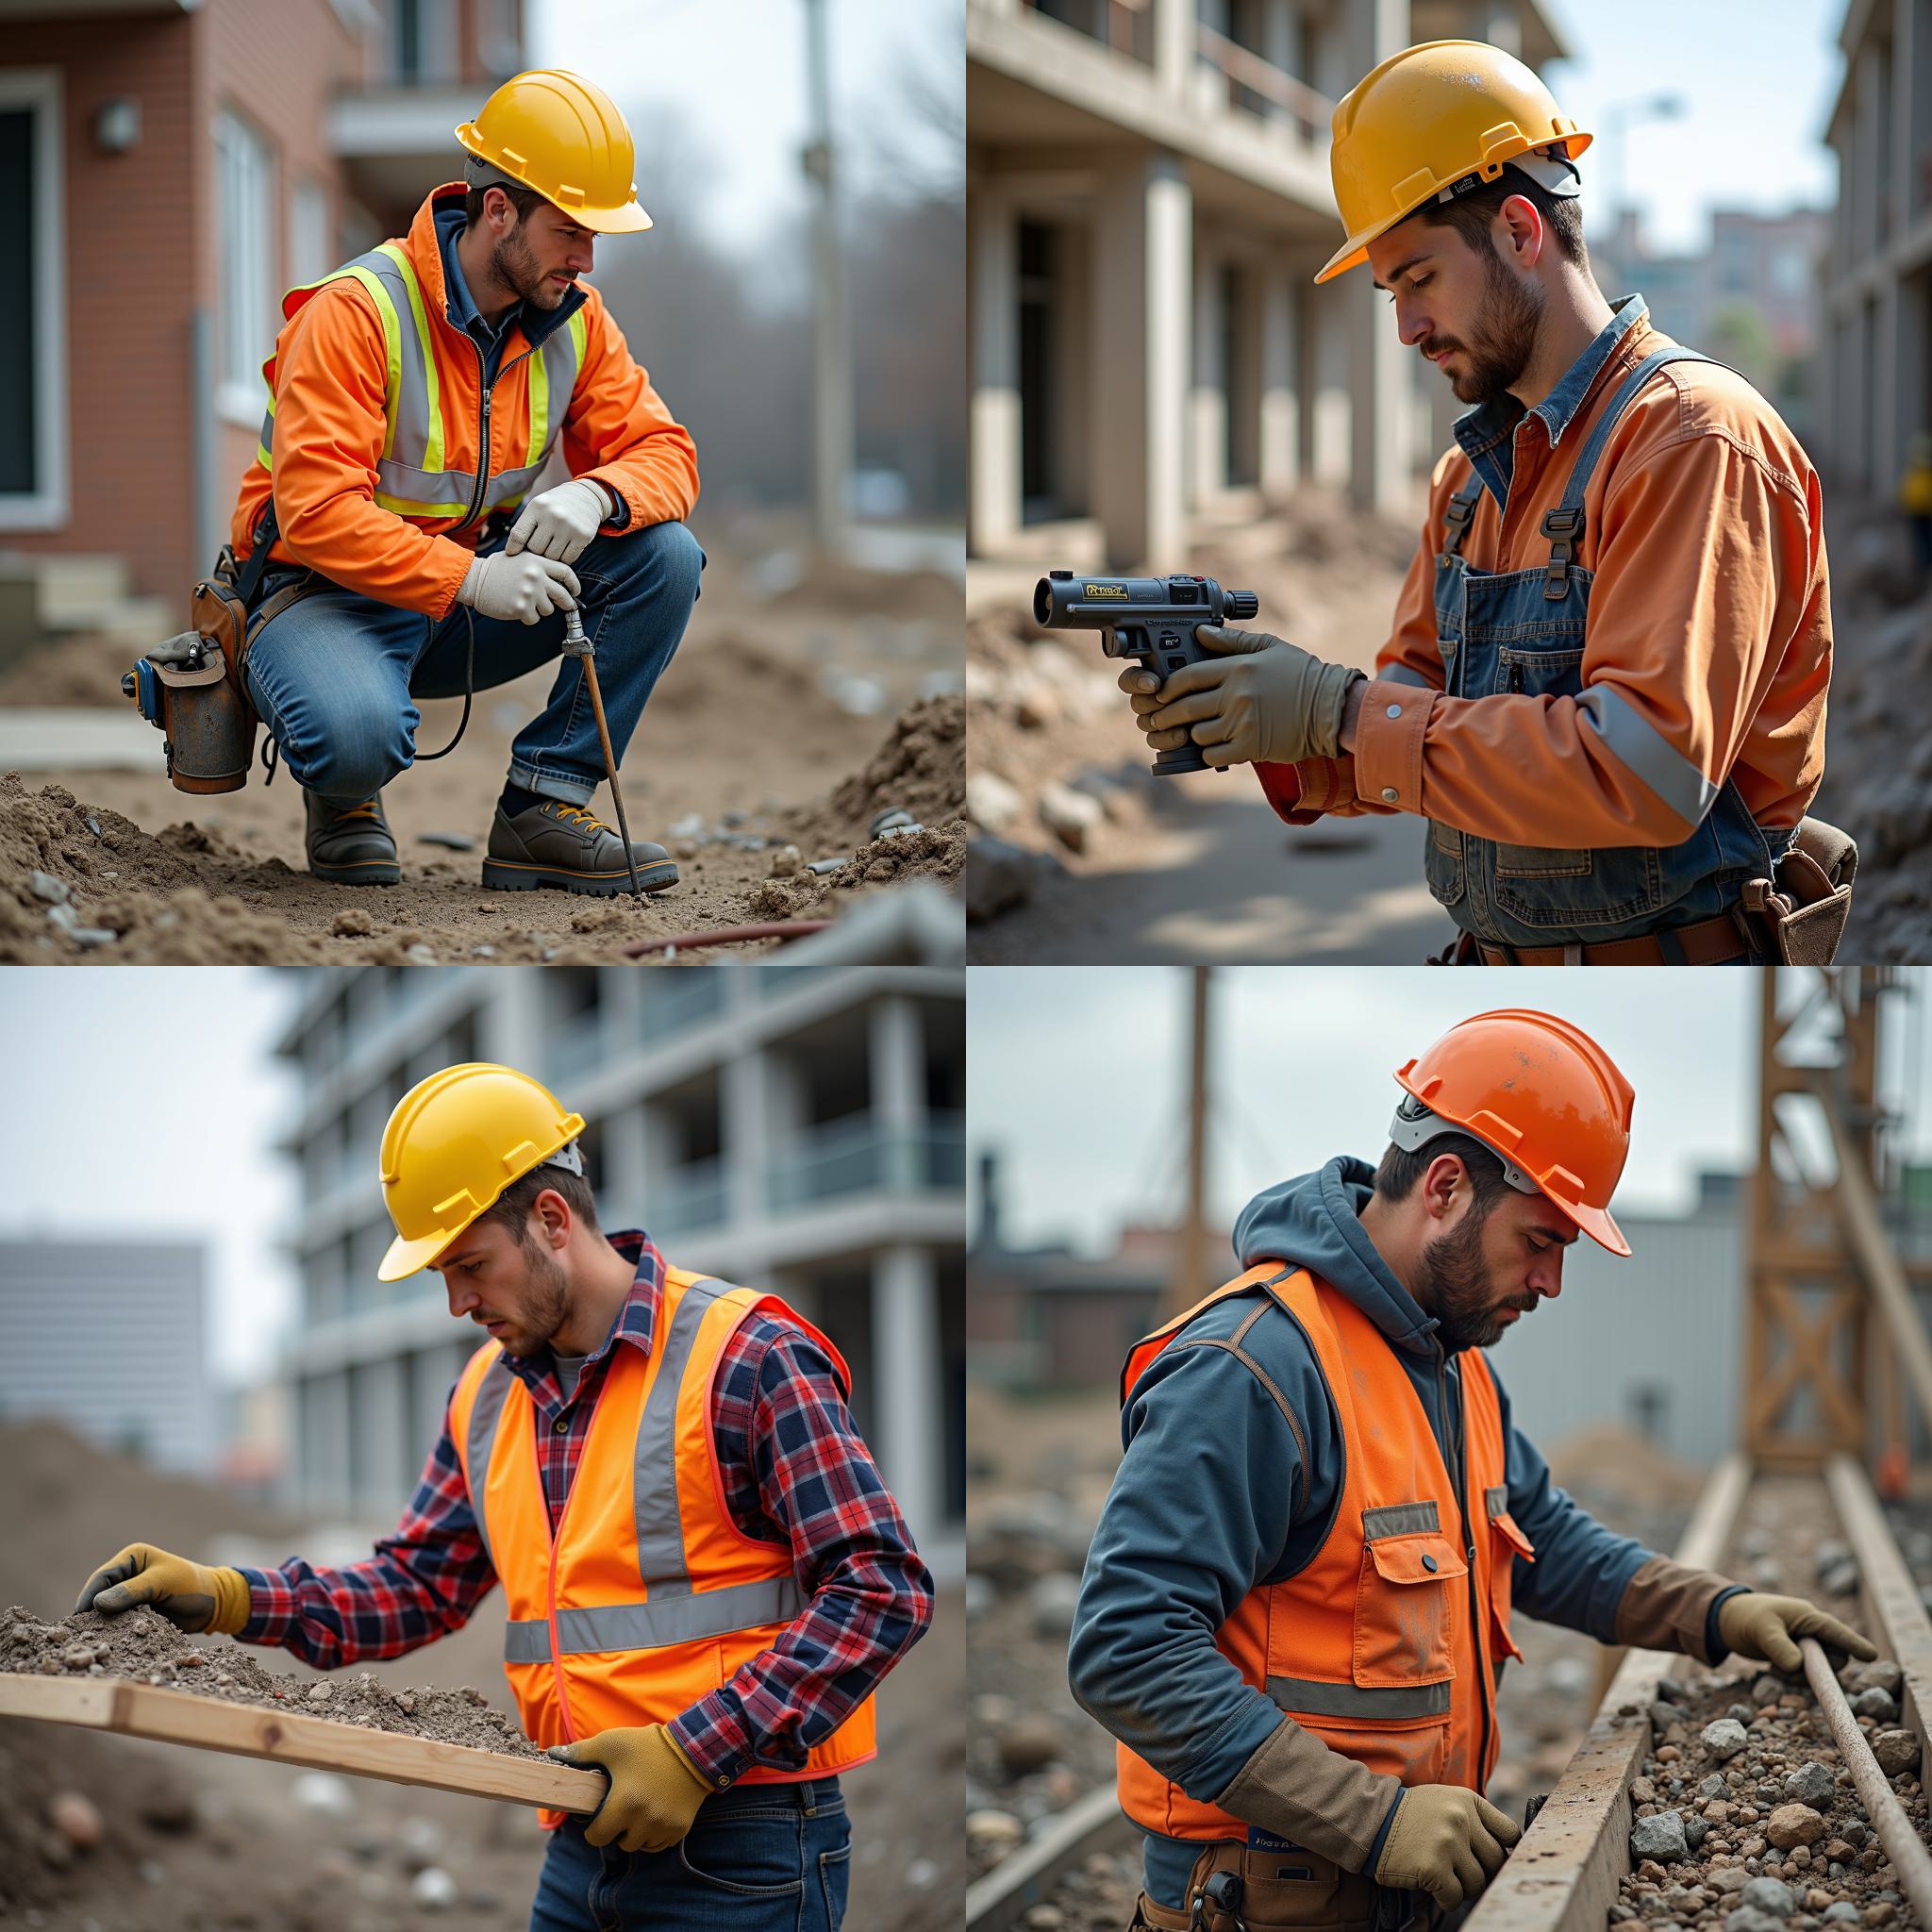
(1562, 528)
(1456, 513)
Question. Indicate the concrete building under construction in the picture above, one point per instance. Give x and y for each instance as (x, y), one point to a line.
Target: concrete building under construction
(1148, 204)
(787, 1127)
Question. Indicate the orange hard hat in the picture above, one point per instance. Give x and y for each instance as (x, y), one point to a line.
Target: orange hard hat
(1540, 1093)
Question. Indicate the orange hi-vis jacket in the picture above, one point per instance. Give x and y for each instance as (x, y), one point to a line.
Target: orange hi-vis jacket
(1388, 1645)
(386, 453)
(649, 1596)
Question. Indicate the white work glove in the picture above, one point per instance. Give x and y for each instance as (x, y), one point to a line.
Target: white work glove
(1258, 700)
(561, 522)
(525, 588)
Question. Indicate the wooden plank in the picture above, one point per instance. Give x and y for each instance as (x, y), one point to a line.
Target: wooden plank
(182, 1717)
(1094, 1823)
(1564, 1875)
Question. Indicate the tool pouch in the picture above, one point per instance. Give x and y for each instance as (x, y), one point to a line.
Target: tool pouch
(1282, 1889)
(1800, 917)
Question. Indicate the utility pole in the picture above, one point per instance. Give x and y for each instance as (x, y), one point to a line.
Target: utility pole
(1191, 1253)
(831, 386)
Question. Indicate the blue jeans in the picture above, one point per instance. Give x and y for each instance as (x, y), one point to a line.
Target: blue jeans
(757, 1859)
(335, 677)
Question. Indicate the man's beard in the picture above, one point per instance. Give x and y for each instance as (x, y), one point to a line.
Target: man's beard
(546, 1306)
(515, 264)
(1463, 1291)
(1503, 338)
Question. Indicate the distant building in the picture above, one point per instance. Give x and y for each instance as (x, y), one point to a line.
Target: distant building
(173, 166)
(792, 1127)
(111, 1339)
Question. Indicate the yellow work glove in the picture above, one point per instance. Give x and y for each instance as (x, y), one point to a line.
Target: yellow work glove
(1446, 1841)
(653, 1794)
(191, 1597)
(1260, 700)
(1768, 1628)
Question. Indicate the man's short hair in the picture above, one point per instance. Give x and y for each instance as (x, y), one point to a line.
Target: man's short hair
(1474, 213)
(511, 1209)
(1402, 1168)
(523, 199)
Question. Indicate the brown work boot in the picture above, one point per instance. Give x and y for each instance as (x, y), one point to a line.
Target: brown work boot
(570, 848)
(353, 847)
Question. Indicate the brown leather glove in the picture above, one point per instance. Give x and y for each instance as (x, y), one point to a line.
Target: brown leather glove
(1768, 1628)
(191, 1597)
(1258, 699)
(1447, 1842)
(655, 1792)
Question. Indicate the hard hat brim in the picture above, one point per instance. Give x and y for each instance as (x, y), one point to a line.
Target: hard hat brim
(406, 1258)
(1597, 1224)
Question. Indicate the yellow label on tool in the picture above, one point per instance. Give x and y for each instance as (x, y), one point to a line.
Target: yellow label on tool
(1115, 590)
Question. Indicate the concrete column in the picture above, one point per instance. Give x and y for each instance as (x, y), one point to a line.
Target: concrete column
(994, 425)
(1141, 296)
(745, 1136)
(1173, 44)
(1208, 402)
(906, 1394)
(1278, 50)
(1280, 466)
(1889, 431)
(896, 1053)
(1071, 366)
(622, 1180)
(1869, 170)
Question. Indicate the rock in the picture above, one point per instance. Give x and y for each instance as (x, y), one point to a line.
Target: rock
(1829, 1554)
(1725, 1738)
(784, 862)
(1662, 1716)
(1670, 1688)
(352, 924)
(1731, 1878)
(1070, 816)
(1876, 1704)
(992, 803)
(993, 1831)
(1836, 1851)
(420, 954)
(1769, 1895)
(1713, 1787)
(1643, 1792)
(1694, 1831)
(434, 1888)
(402, 1700)
(1810, 1784)
(1795, 1824)
(1843, 1913)
(1036, 703)
(998, 876)
(1045, 1918)
(55, 892)
(1881, 1675)
(1659, 1836)
(76, 1818)
(1050, 1603)
(1840, 1580)
(1749, 1919)
(1856, 1831)
(1883, 1913)
(1668, 1754)
(1717, 1812)
(1767, 1690)
(981, 1595)
(321, 1693)
(1896, 1752)
(1029, 1744)
(323, 1791)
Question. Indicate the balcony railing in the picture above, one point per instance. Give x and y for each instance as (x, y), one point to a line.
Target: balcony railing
(857, 1156)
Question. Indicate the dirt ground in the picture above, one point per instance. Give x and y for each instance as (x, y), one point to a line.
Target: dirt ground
(200, 1841)
(1196, 868)
(787, 722)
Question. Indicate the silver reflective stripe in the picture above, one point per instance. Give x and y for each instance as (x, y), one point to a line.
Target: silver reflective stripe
(505, 484)
(652, 1624)
(1643, 750)
(1346, 1700)
(396, 478)
(660, 1534)
(1403, 674)
(1399, 1518)
(483, 1418)
(1496, 1501)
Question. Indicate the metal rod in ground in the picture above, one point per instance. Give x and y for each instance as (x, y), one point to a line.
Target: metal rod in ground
(1908, 1856)
(577, 645)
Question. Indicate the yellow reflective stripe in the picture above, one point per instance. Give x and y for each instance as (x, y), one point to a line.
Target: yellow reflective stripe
(432, 457)
(391, 335)
(540, 406)
(403, 508)
(576, 336)
(268, 462)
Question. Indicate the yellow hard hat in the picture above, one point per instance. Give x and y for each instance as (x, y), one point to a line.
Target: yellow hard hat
(554, 131)
(454, 1141)
(1434, 122)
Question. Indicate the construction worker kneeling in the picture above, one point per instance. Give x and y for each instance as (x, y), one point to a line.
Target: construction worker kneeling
(1605, 687)
(390, 548)
(1298, 1601)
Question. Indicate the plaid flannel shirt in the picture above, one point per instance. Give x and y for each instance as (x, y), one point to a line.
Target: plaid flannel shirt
(795, 1472)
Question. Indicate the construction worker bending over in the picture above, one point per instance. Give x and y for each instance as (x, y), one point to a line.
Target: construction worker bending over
(707, 1624)
(1298, 1599)
(1604, 688)
(415, 394)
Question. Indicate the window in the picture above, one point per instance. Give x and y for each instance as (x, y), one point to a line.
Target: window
(423, 41)
(244, 239)
(33, 368)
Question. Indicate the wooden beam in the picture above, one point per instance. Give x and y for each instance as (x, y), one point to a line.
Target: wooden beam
(184, 1717)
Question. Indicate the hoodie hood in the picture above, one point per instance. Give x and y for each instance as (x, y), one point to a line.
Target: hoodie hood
(1314, 1221)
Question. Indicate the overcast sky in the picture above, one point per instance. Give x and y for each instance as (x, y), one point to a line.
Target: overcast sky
(1756, 83)
(1077, 1076)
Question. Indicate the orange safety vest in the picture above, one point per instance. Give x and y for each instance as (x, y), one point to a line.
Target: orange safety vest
(648, 1597)
(1388, 1645)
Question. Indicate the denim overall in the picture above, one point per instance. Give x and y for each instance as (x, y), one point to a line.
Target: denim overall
(1523, 632)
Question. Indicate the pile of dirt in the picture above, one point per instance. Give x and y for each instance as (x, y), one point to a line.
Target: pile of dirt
(921, 767)
(142, 1646)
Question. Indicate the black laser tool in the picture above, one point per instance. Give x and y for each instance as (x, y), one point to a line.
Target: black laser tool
(1149, 618)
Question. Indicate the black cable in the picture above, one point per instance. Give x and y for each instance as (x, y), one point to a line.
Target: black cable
(422, 758)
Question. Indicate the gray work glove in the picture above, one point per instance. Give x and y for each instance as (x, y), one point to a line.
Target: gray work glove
(1260, 700)
(1447, 1842)
(561, 522)
(525, 586)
